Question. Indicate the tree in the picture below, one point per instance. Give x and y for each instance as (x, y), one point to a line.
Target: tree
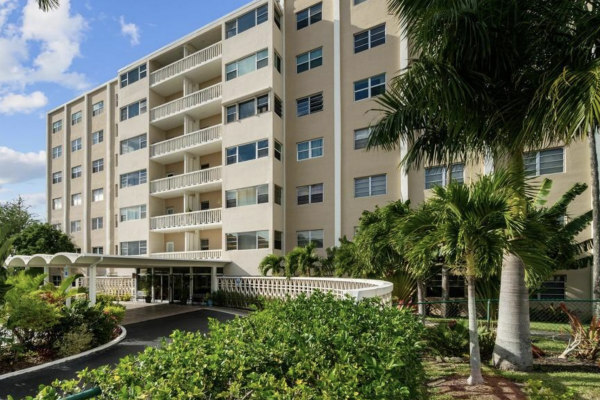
(47, 5)
(40, 238)
(5, 248)
(272, 263)
(468, 95)
(301, 261)
(15, 216)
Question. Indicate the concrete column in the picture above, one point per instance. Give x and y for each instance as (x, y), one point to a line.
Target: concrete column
(109, 171)
(92, 283)
(46, 274)
(214, 282)
(66, 173)
(152, 284)
(191, 286)
(66, 274)
(188, 86)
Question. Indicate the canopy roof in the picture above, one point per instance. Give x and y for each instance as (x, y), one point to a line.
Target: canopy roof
(87, 259)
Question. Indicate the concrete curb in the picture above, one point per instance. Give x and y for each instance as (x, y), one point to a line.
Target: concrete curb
(86, 353)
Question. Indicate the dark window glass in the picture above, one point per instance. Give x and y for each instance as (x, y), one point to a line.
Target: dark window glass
(247, 109)
(262, 104)
(246, 152)
(246, 21)
(278, 106)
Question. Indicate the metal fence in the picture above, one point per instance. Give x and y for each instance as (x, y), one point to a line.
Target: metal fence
(540, 311)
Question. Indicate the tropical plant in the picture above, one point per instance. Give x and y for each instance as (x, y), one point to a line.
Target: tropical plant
(448, 339)
(584, 341)
(46, 5)
(272, 263)
(38, 238)
(59, 294)
(466, 96)
(5, 248)
(302, 261)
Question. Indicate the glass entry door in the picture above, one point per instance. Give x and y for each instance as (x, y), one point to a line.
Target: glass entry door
(180, 284)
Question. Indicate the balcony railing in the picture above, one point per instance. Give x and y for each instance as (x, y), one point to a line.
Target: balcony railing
(183, 220)
(191, 255)
(182, 181)
(186, 63)
(186, 102)
(186, 141)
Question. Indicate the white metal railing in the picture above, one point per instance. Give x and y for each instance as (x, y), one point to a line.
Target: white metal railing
(186, 141)
(281, 287)
(191, 255)
(194, 218)
(186, 102)
(195, 178)
(186, 63)
(114, 286)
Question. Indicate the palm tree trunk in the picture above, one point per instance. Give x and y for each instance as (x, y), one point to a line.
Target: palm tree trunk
(445, 292)
(474, 354)
(595, 221)
(512, 350)
(421, 297)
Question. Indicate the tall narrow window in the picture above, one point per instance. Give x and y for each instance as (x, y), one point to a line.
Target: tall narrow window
(57, 126)
(76, 117)
(98, 137)
(56, 152)
(97, 166)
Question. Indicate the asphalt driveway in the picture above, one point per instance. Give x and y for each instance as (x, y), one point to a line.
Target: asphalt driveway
(139, 336)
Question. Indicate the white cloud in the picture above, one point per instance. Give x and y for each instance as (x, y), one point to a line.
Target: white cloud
(131, 30)
(22, 103)
(34, 199)
(18, 167)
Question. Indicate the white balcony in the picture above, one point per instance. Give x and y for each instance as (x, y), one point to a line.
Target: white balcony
(202, 142)
(201, 104)
(205, 180)
(207, 219)
(199, 66)
(191, 255)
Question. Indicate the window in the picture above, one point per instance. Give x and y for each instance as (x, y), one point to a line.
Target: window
(133, 109)
(248, 108)
(309, 149)
(133, 213)
(309, 194)
(133, 144)
(309, 16)
(278, 240)
(247, 65)
(369, 87)
(552, 289)
(76, 199)
(204, 244)
(247, 196)
(361, 138)
(544, 162)
(57, 126)
(356, 2)
(98, 250)
(134, 248)
(58, 227)
(278, 194)
(97, 108)
(277, 150)
(231, 113)
(456, 286)
(277, 18)
(76, 117)
(370, 186)
(133, 75)
(97, 137)
(76, 145)
(277, 62)
(56, 152)
(98, 165)
(97, 223)
(247, 152)
(309, 60)
(56, 280)
(133, 178)
(247, 240)
(278, 106)
(57, 177)
(306, 237)
(76, 172)
(438, 176)
(246, 21)
(309, 105)
(370, 38)
(57, 203)
(75, 226)
(262, 104)
(98, 194)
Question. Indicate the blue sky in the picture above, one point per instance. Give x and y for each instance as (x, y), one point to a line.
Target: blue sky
(48, 58)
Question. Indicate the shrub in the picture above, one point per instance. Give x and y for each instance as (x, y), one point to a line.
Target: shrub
(487, 340)
(308, 348)
(536, 391)
(79, 339)
(584, 341)
(238, 300)
(448, 339)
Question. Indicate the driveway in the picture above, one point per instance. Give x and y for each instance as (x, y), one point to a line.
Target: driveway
(139, 336)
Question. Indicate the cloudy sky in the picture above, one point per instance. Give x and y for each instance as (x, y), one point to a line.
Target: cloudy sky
(48, 58)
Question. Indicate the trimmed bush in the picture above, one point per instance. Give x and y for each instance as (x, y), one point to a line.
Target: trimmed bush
(448, 339)
(308, 348)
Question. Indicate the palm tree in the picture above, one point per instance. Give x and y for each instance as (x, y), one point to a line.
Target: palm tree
(301, 261)
(272, 263)
(47, 5)
(468, 225)
(466, 95)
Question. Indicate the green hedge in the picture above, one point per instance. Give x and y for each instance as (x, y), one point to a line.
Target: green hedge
(307, 348)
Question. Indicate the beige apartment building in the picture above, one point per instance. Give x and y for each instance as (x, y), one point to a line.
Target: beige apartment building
(246, 138)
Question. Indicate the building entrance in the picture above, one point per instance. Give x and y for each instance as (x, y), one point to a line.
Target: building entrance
(180, 285)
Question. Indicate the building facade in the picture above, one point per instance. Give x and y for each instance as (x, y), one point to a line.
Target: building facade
(245, 138)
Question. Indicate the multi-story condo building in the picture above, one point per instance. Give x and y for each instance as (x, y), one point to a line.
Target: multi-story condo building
(247, 137)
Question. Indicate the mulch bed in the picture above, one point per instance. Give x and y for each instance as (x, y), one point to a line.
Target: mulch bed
(554, 364)
(495, 388)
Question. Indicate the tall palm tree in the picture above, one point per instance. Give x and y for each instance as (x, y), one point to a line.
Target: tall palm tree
(468, 225)
(468, 94)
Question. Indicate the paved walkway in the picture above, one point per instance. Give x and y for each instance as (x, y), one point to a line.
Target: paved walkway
(139, 336)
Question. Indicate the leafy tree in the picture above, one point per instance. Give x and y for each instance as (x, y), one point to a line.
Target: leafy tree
(301, 261)
(40, 238)
(272, 263)
(344, 257)
(15, 216)
(5, 248)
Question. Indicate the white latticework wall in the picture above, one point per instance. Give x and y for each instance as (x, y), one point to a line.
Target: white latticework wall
(280, 287)
(115, 286)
